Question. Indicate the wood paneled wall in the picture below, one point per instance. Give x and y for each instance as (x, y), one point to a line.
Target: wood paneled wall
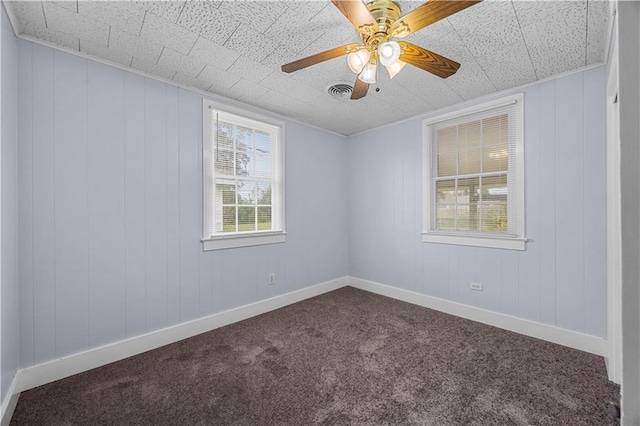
(561, 277)
(110, 210)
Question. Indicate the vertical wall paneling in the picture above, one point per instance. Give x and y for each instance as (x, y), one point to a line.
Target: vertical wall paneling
(230, 272)
(173, 207)
(106, 204)
(411, 208)
(442, 271)
(25, 206)
(467, 273)
(569, 202)
(547, 214)
(396, 198)
(527, 284)
(206, 285)
(155, 148)
(247, 277)
(135, 206)
(216, 280)
(564, 202)
(117, 201)
(70, 177)
(510, 283)
(594, 205)
(9, 288)
(429, 263)
(43, 181)
(189, 107)
(488, 267)
(452, 281)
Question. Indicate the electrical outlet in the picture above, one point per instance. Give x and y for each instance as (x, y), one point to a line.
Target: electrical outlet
(272, 279)
(475, 286)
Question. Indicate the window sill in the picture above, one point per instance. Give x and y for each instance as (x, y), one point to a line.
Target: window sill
(243, 240)
(507, 243)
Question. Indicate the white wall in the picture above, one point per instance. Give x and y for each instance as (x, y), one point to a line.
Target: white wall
(110, 208)
(8, 201)
(560, 279)
(629, 72)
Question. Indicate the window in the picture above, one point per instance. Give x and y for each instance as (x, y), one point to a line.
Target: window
(474, 176)
(243, 161)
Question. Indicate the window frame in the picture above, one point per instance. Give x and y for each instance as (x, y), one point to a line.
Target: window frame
(477, 239)
(240, 238)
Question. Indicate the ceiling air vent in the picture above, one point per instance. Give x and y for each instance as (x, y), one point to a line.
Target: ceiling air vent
(341, 90)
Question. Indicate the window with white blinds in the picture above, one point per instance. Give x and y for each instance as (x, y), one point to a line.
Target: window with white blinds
(474, 176)
(243, 186)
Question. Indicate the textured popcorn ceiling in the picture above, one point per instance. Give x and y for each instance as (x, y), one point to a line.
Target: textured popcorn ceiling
(235, 49)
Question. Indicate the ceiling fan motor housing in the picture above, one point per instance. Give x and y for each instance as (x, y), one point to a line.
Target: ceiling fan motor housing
(385, 13)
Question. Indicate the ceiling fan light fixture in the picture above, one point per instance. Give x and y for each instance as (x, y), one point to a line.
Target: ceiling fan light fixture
(357, 60)
(395, 68)
(389, 52)
(369, 73)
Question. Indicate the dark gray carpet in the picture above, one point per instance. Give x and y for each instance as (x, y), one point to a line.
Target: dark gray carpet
(346, 357)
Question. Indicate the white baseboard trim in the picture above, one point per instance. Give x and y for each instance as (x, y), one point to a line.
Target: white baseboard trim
(561, 336)
(77, 363)
(10, 401)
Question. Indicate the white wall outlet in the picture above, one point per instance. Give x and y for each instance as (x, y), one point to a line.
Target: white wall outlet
(272, 279)
(475, 286)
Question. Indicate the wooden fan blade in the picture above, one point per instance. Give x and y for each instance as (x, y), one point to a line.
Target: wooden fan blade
(319, 57)
(427, 60)
(356, 12)
(359, 89)
(427, 14)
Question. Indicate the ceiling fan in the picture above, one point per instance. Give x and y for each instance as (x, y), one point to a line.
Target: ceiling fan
(378, 23)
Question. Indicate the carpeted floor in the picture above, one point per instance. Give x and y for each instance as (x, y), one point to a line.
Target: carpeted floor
(346, 357)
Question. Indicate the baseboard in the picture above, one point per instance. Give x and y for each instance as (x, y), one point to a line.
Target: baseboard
(10, 401)
(572, 339)
(77, 363)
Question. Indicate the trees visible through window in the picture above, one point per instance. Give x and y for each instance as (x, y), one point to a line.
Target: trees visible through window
(474, 174)
(244, 173)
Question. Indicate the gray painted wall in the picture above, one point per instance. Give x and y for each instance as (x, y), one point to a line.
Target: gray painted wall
(110, 208)
(8, 201)
(560, 278)
(629, 72)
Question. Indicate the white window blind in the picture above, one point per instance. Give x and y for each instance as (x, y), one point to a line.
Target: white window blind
(243, 176)
(474, 183)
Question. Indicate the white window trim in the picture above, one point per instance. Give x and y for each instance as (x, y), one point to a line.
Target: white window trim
(517, 242)
(240, 239)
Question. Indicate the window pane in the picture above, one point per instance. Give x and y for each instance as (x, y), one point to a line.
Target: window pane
(469, 135)
(264, 218)
(469, 161)
(263, 166)
(224, 136)
(495, 158)
(244, 161)
(229, 219)
(244, 138)
(447, 164)
(246, 218)
(263, 142)
(446, 139)
(468, 217)
(224, 162)
(494, 189)
(225, 193)
(246, 192)
(495, 130)
(468, 191)
(264, 193)
(494, 217)
(445, 216)
(446, 191)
